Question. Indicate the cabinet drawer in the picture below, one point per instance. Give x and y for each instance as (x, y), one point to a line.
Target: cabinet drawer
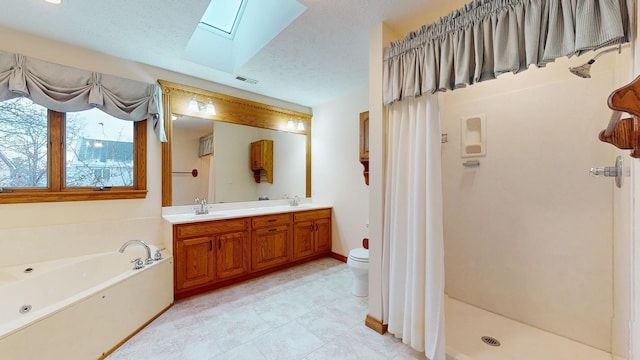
(271, 220)
(311, 215)
(210, 227)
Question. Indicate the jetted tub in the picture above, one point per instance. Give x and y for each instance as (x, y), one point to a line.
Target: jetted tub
(80, 307)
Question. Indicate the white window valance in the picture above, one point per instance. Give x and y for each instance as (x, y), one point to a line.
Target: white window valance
(67, 89)
(489, 37)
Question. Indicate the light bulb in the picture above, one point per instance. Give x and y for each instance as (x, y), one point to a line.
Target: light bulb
(210, 109)
(193, 105)
(290, 124)
(300, 124)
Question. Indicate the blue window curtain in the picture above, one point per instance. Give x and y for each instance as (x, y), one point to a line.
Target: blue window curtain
(486, 38)
(67, 89)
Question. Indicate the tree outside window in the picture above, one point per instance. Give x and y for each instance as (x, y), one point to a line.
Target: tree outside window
(42, 151)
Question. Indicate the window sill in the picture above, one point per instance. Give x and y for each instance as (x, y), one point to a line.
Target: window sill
(88, 195)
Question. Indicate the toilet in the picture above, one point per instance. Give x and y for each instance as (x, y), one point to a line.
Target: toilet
(358, 263)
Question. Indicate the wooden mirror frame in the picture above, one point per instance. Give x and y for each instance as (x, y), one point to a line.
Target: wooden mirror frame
(175, 98)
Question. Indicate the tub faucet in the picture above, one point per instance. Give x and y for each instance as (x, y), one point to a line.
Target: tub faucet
(149, 259)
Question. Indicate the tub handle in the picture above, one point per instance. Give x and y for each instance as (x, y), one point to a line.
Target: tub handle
(137, 263)
(158, 256)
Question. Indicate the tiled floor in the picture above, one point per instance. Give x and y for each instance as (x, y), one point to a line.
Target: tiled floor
(306, 312)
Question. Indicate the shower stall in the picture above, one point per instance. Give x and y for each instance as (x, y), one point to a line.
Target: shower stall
(536, 249)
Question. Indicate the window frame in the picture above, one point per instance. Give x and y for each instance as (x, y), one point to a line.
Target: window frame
(56, 192)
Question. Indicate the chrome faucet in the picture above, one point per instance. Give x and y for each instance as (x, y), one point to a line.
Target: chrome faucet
(201, 206)
(295, 201)
(149, 259)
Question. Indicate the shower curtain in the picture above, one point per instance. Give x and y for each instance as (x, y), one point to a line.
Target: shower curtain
(413, 250)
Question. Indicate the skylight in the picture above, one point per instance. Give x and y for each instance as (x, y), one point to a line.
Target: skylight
(223, 16)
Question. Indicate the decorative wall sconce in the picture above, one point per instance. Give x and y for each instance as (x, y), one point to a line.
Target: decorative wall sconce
(195, 106)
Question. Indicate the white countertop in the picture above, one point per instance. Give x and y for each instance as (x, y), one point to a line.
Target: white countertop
(186, 214)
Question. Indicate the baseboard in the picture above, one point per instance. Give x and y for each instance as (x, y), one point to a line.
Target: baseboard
(375, 324)
(338, 257)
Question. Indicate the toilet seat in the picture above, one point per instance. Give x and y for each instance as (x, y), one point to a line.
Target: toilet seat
(359, 255)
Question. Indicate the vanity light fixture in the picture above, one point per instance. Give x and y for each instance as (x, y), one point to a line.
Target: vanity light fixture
(300, 124)
(290, 124)
(195, 106)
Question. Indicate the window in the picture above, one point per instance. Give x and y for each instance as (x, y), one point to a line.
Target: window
(51, 156)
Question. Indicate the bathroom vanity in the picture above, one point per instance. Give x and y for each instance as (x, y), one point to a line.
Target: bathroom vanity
(228, 246)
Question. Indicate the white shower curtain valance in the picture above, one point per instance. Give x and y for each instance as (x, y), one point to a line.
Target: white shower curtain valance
(67, 89)
(489, 37)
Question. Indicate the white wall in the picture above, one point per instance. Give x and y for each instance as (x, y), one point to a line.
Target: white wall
(336, 170)
(289, 165)
(41, 231)
(528, 234)
(234, 179)
(185, 187)
(233, 176)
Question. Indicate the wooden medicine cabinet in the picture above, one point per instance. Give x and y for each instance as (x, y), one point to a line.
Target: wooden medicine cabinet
(262, 159)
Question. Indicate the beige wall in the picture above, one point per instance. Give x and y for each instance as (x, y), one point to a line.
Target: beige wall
(528, 234)
(186, 187)
(234, 179)
(379, 36)
(42, 231)
(336, 169)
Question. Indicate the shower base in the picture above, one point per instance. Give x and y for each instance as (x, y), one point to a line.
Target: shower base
(466, 325)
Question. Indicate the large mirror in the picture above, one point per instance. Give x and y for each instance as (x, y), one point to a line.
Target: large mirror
(208, 156)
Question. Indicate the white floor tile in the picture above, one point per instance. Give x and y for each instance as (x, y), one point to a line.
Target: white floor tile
(308, 312)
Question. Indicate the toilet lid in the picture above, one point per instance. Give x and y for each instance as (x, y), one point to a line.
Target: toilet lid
(359, 254)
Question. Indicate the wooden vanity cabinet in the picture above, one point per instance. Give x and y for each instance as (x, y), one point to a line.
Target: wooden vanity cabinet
(271, 241)
(196, 265)
(311, 233)
(210, 251)
(212, 254)
(233, 254)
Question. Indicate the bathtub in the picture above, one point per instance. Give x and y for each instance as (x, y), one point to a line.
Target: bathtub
(80, 307)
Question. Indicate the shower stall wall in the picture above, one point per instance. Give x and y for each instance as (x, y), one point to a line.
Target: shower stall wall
(528, 233)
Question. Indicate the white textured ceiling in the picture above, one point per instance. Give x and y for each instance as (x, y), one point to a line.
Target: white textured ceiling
(321, 55)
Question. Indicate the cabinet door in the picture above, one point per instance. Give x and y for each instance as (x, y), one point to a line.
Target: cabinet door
(232, 255)
(270, 247)
(194, 262)
(257, 150)
(303, 239)
(322, 234)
